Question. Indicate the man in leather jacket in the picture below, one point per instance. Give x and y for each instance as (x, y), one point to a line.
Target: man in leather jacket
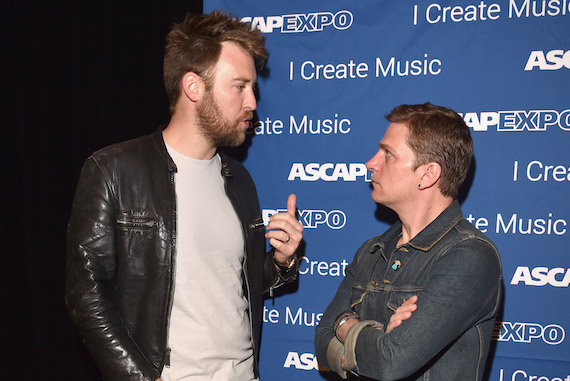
(418, 302)
(166, 262)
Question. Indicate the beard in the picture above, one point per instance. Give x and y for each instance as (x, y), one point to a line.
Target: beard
(217, 129)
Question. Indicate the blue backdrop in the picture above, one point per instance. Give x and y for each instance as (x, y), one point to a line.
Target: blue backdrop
(335, 69)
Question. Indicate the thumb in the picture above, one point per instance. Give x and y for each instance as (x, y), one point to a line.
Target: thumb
(292, 205)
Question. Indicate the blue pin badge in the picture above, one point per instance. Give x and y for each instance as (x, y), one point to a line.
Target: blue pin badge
(396, 265)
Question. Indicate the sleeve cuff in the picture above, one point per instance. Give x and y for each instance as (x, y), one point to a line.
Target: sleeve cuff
(350, 341)
(335, 351)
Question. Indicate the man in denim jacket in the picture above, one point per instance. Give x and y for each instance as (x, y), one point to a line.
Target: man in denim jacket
(418, 302)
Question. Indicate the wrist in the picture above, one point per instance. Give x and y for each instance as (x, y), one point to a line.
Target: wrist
(288, 264)
(341, 320)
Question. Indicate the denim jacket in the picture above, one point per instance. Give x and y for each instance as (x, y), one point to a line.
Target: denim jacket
(456, 272)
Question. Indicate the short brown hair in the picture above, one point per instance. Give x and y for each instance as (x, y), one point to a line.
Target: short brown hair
(195, 44)
(437, 134)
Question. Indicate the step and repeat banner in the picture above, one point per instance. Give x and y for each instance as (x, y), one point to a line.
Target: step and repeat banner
(335, 69)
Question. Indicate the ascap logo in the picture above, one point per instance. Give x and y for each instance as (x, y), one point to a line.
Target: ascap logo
(541, 276)
(552, 334)
(305, 361)
(297, 23)
(328, 172)
(518, 120)
(312, 219)
(552, 60)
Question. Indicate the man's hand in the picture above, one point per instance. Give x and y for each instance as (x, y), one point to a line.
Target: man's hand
(404, 312)
(285, 232)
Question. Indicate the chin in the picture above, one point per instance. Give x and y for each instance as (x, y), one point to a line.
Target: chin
(238, 141)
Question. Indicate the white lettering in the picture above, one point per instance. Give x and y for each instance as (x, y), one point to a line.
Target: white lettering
(313, 218)
(405, 68)
(322, 268)
(316, 127)
(552, 334)
(270, 316)
(538, 8)
(307, 361)
(301, 317)
(541, 276)
(537, 171)
(435, 13)
(479, 223)
(519, 120)
(538, 226)
(328, 172)
(553, 60)
(297, 23)
(525, 376)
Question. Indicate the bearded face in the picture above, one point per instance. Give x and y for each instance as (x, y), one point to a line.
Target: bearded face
(219, 130)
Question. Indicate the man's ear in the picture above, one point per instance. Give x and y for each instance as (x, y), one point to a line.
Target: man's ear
(192, 86)
(430, 176)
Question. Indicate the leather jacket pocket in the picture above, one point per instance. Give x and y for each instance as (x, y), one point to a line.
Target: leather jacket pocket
(136, 243)
(127, 220)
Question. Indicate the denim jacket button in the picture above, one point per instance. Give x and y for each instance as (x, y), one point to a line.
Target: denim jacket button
(374, 283)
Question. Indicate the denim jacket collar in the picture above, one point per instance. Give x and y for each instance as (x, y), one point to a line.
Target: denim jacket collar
(431, 234)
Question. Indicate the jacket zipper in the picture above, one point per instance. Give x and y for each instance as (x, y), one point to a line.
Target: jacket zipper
(172, 282)
(137, 223)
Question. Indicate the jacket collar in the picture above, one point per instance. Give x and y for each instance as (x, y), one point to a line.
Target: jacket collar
(159, 140)
(438, 228)
(431, 234)
(161, 145)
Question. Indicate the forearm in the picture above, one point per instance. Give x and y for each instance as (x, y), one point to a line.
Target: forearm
(329, 349)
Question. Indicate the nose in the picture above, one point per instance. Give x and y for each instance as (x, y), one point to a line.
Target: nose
(374, 162)
(250, 102)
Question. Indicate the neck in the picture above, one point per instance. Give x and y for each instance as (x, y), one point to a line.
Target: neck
(417, 217)
(183, 135)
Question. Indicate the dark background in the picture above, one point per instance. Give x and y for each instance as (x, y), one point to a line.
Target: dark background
(76, 76)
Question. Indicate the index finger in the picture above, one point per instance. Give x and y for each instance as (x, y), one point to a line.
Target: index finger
(292, 205)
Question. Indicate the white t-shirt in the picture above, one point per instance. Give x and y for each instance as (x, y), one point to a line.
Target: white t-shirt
(209, 328)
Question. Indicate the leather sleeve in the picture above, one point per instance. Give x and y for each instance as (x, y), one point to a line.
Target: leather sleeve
(90, 275)
(277, 275)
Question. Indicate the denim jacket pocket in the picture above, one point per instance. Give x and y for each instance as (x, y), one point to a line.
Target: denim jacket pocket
(364, 300)
(399, 296)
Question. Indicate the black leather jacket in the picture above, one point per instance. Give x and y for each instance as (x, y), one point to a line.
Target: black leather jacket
(121, 255)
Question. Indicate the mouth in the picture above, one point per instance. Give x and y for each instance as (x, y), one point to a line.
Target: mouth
(245, 120)
(245, 124)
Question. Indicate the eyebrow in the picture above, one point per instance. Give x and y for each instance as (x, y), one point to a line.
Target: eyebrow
(244, 80)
